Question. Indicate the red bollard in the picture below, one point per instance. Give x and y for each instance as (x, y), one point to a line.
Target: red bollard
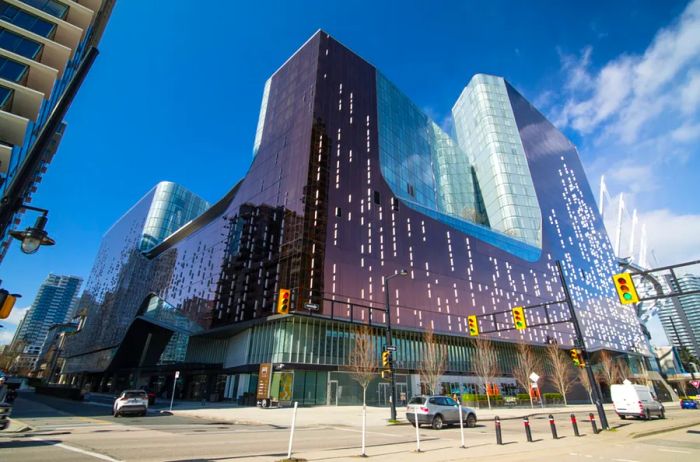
(553, 426)
(528, 431)
(575, 425)
(595, 427)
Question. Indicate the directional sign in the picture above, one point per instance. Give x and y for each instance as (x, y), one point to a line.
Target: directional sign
(390, 348)
(534, 377)
(312, 306)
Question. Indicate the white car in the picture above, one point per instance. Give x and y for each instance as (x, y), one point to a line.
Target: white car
(131, 402)
(635, 401)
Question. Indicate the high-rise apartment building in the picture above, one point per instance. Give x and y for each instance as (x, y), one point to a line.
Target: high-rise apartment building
(349, 184)
(45, 51)
(54, 304)
(680, 316)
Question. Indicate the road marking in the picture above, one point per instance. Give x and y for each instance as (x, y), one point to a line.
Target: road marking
(96, 455)
(674, 450)
(625, 460)
(368, 432)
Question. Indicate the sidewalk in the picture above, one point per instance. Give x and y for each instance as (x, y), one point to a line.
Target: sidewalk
(351, 415)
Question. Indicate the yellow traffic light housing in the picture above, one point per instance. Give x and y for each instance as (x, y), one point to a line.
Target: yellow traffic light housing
(386, 358)
(473, 326)
(625, 288)
(519, 318)
(575, 357)
(283, 302)
(7, 302)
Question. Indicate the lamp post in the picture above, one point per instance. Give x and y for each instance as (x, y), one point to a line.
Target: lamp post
(403, 272)
(35, 236)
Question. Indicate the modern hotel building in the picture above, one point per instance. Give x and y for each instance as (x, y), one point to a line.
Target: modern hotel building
(351, 182)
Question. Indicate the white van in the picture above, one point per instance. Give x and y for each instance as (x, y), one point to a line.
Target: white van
(635, 401)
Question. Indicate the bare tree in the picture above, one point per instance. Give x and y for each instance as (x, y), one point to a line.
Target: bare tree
(623, 370)
(363, 368)
(485, 364)
(434, 362)
(585, 383)
(563, 377)
(528, 362)
(608, 370)
(683, 387)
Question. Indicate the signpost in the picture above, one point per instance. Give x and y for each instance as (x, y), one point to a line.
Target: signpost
(534, 377)
(172, 396)
(264, 377)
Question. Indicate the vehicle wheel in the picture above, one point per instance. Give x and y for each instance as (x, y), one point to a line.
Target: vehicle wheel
(144, 413)
(662, 415)
(116, 413)
(647, 416)
(437, 422)
(471, 421)
(415, 424)
(623, 417)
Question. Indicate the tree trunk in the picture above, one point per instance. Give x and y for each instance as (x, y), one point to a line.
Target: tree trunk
(488, 398)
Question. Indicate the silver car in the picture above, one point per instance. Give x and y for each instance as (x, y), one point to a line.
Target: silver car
(437, 411)
(131, 402)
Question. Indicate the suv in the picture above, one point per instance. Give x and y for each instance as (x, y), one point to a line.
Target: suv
(438, 411)
(131, 402)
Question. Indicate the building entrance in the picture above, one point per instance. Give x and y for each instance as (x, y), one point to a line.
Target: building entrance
(333, 393)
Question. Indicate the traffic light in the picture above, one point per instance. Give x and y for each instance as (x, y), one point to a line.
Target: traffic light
(7, 302)
(519, 318)
(575, 358)
(625, 288)
(386, 358)
(473, 326)
(283, 302)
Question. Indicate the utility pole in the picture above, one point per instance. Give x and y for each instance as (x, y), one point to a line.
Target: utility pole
(581, 343)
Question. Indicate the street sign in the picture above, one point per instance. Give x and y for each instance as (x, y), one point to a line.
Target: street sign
(534, 377)
(389, 348)
(177, 375)
(695, 383)
(264, 374)
(312, 306)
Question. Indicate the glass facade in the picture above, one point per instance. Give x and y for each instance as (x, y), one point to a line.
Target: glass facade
(349, 183)
(25, 20)
(487, 131)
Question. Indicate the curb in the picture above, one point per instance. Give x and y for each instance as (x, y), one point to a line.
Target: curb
(664, 430)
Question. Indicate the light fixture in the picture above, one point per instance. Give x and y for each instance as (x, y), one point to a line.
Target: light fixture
(35, 236)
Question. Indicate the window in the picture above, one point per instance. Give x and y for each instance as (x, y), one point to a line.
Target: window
(338, 212)
(25, 20)
(51, 7)
(394, 204)
(18, 44)
(12, 70)
(5, 98)
(376, 197)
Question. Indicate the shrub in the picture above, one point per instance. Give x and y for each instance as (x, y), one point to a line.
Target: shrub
(523, 396)
(553, 396)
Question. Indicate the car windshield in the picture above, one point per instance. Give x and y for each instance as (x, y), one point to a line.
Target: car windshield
(134, 394)
(417, 400)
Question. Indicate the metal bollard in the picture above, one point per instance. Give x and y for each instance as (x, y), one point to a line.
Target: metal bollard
(499, 436)
(595, 427)
(553, 426)
(528, 432)
(575, 425)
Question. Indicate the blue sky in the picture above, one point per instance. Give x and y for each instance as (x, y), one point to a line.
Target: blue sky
(175, 94)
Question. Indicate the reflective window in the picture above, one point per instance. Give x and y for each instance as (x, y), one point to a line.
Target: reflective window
(25, 20)
(18, 44)
(5, 98)
(12, 70)
(51, 7)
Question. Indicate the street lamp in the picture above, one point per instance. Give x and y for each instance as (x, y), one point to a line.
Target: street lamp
(403, 272)
(35, 236)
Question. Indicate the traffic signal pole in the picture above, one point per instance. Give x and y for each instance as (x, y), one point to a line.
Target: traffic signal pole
(598, 395)
(388, 342)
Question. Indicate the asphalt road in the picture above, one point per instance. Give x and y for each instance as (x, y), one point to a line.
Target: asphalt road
(71, 431)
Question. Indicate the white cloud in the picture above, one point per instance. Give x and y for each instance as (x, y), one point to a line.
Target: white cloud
(16, 315)
(10, 324)
(637, 117)
(6, 336)
(674, 238)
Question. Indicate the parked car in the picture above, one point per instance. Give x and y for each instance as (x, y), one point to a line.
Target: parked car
(438, 411)
(131, 402)
(688, 403)
(635, 401)
(5, 410)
